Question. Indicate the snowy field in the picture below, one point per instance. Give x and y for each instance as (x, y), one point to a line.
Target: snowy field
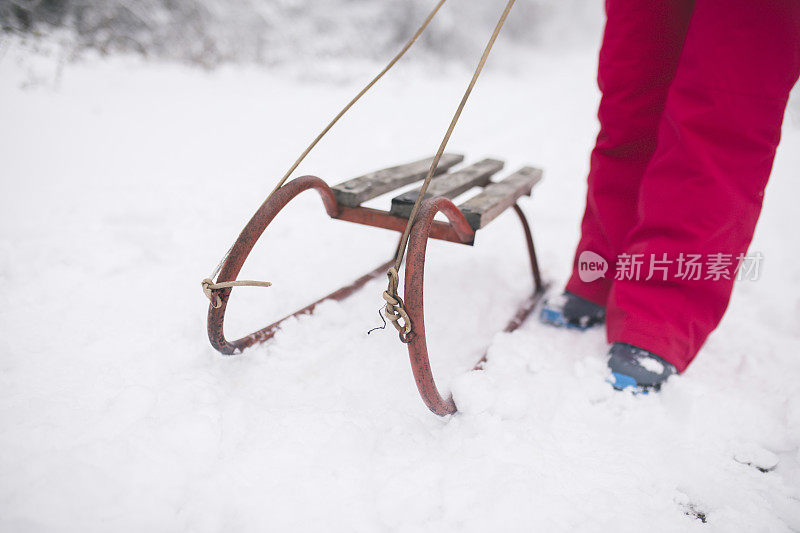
(123, 182)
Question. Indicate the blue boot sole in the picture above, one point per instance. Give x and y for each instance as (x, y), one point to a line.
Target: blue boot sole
(554, 317)
(625, 382)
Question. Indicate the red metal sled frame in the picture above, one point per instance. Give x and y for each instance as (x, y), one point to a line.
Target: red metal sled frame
(414, 283)
(425, 227)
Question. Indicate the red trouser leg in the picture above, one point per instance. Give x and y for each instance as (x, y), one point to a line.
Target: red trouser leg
(640, 53)
(703, 189)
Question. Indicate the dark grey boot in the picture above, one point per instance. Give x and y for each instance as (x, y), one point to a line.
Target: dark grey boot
(637, 368)
(572, 311)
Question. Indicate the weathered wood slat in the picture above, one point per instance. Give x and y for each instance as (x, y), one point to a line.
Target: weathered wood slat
(448, 185)
(497, 197)
(356, 191)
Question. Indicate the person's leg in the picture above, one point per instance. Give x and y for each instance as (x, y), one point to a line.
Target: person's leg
(638, 58)
(703, 189)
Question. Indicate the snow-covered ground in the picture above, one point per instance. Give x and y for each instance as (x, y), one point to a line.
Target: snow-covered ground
(123, 183)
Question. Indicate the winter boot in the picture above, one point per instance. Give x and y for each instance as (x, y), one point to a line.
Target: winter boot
(572, 311)
(633, 367)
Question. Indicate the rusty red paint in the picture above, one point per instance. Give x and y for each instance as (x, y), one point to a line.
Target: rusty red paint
(265, 334)
(414, 303)
(232, 265)
(265, 214)
(382, 219)
(457, 229)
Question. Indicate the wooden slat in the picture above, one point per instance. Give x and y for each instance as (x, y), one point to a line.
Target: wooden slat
(448, 185)
(497, 197)
(356, 191)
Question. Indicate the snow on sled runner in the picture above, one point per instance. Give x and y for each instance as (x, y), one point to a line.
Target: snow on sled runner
(412, 213)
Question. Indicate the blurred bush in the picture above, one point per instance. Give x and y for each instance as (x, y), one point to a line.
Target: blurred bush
(266, 31)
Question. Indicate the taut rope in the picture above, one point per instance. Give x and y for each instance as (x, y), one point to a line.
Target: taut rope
(394, 304)
(209, 287)
(395, 310)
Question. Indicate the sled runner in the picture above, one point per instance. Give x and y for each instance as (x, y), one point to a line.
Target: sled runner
(343, 202)
(411, 213)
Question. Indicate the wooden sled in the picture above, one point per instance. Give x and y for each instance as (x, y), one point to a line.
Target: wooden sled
(343, 202)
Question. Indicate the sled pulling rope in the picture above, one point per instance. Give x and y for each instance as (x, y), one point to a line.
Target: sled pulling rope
(397, 311)
(209, 287)
(411, 214)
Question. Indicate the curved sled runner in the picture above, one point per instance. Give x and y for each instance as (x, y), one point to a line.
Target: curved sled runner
(343, 202)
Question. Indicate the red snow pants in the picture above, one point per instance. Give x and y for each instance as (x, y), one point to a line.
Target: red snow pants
(693, 98)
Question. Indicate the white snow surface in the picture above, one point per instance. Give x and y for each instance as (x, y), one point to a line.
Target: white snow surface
(124, 182)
